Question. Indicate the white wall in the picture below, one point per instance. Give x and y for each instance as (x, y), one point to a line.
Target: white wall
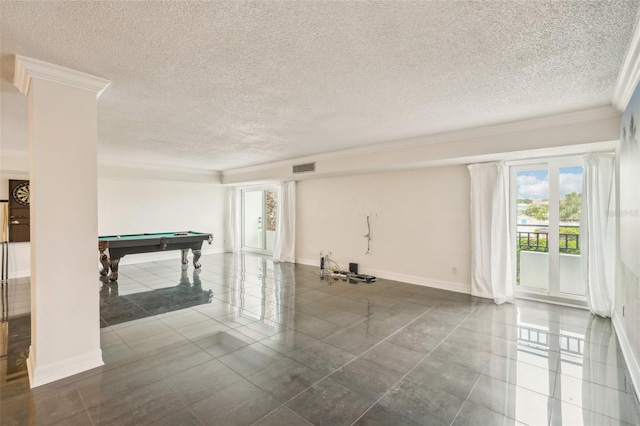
(133, 206)
(626, 316)
(420, 226)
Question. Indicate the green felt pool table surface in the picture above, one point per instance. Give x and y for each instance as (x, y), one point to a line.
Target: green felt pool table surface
(149, 236)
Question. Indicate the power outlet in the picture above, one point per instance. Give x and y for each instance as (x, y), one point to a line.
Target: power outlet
(454, 270)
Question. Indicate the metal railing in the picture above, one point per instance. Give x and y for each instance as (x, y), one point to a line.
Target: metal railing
(537, 240)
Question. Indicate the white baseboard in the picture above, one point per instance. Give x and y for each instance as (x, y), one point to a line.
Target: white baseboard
(411, 279)
(627, 351)
(571, 303)
(20, 274)
(41, 375)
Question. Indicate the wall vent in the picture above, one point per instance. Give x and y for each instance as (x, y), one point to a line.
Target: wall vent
(301, 168)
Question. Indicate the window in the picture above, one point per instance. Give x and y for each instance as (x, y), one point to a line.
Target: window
(545, 207)
(259, 217)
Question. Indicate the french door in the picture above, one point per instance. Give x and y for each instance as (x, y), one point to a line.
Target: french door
(545, 216)
(259, 215)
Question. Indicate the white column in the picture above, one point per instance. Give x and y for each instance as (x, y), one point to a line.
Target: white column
(65, 312)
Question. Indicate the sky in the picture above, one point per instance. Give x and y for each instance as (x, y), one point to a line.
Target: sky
(536, 183)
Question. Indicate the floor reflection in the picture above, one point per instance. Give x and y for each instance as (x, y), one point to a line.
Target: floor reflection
(18, 332)
(573, 363)
(243, 340)
(15, 327)
(116, 308)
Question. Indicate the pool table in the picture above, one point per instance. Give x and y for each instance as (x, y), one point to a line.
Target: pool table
(121, 245)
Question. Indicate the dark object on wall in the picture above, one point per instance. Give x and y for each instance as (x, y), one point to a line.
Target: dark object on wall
(353, 268)
(19, 216)
(303, 168)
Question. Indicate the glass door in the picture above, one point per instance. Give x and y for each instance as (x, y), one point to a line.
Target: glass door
(259, 215)
(569, 209)
(252, 202)
(546, 207)
(532, 228)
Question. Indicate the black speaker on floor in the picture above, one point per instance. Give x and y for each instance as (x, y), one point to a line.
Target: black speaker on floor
(353, 268)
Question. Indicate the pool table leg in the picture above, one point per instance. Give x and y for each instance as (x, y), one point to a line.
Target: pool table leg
(184, 260)
(196, 257)
(113, 276)
(104, 260)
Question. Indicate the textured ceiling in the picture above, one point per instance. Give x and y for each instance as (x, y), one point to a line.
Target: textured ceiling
(220, 85)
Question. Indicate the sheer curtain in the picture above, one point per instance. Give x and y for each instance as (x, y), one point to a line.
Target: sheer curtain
(491, 269)
(598, 341)
(284, 249)
(232, 231)
(597, 232)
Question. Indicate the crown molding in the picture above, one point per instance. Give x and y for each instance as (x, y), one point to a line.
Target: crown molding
(118, 169)
(28, 68)
(24, 153)
(630, 73)
(456, 135)
(159, 167)
(132, 170)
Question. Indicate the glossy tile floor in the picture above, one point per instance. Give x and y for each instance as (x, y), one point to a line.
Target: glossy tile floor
(246, 342)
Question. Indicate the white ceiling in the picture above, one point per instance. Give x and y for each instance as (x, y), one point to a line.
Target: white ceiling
(220, 85)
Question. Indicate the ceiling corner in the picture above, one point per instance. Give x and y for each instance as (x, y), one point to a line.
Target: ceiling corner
(21, 77)
(630, 72)
(28, 68)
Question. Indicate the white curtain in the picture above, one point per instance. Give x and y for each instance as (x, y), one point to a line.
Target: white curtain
(597, 232)
(232, 231)
(284, 249)
(491, 269)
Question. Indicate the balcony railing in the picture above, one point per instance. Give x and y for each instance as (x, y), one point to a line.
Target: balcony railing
(537, 239)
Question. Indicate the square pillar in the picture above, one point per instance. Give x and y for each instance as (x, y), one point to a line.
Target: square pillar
(65, 311)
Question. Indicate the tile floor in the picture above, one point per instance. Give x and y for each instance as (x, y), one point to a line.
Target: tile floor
(247, 342)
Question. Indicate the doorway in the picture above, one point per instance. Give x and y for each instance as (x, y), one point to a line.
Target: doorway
(545, 210)
(259, 217)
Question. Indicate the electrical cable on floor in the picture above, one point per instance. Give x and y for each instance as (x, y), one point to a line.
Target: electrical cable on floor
(338, 273)
(335, 272)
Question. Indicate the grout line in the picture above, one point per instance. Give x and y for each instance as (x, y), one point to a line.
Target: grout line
(412, 368)
(471, 391)
(138, 357)
(84, 404)
(507, 382)
(180, 401)
(371, 348)
(347, 363)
